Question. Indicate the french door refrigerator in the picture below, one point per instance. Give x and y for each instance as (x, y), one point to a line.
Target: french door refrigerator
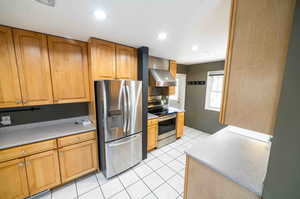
(119, 124)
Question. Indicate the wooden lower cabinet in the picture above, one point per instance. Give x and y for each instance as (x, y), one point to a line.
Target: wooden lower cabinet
(77, 160)
(202, 182)
(152, 134)
(13, 182)
(179, 124)
(42, 171)
(40, 166)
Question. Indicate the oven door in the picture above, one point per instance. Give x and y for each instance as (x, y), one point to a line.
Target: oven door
(166, 124)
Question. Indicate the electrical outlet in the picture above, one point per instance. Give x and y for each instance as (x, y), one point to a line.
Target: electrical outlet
(5, 120)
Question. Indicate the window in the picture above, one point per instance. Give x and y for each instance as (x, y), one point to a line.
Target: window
(175, 97)
(214, 90)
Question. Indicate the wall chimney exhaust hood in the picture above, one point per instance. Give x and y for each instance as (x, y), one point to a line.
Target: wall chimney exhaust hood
(161, 78)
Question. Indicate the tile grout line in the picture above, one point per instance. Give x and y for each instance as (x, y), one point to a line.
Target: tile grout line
(165, 181)
(125, 187)
(100, 184)
(75, 181)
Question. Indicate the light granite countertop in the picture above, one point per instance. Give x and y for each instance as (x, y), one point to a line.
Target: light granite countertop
(35, 132)
(242, 159)
(176, 109)
(151, 116)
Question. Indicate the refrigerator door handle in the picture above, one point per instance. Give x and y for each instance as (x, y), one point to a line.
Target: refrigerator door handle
(128, 108)
(131, 139)
(105, 108)
(125, 125)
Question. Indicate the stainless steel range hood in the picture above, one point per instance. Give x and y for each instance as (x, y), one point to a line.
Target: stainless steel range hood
(161, 78)
(160, 75)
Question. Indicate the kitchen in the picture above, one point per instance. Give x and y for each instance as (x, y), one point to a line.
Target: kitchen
(92, 117)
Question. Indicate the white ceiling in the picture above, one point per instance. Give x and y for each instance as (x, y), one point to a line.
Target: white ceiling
(132, 22)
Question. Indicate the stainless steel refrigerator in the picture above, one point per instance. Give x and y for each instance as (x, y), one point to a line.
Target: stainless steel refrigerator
(119, 124)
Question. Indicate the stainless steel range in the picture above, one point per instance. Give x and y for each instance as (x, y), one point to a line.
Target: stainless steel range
(166, 122)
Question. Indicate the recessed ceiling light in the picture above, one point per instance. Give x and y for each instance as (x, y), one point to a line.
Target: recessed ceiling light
(47, 2)
(162, 36)
(195, 48)
(100, 15)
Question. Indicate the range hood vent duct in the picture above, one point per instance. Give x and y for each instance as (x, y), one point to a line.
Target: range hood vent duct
(47, 2)
(161, 78)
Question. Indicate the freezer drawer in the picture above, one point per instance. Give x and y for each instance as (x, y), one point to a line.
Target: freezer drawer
(123, 154)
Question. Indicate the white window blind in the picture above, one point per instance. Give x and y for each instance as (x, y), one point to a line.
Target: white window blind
(214, 90)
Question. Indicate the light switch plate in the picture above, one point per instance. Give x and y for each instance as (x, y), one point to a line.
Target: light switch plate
(5, 120)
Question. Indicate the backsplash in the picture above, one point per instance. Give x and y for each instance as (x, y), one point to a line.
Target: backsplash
(25, 115)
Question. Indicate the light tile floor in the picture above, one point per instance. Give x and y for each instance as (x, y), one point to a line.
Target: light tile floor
(160, 176)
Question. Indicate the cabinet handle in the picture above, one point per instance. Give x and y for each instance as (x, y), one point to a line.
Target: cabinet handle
(25, 101)
(18, 101)
(21, 164)
(24, 152)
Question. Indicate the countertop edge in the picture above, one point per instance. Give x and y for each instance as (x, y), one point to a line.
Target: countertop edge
(49, 138)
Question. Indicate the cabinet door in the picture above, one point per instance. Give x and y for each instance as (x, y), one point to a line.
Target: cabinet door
(179, 124)
(69, 69)
(13, 183)
(126, 65)
(42, 171)
(10, 93)
(102, 55)
(255, 63)
(33, 64)
(152, 137)
(173, 70)
(77, 160)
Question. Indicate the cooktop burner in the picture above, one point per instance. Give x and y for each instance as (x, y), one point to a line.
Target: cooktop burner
(162, 112)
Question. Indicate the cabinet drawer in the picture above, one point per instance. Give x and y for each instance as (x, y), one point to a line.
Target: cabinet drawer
(152, 122)
(25, 150)
(73, 139)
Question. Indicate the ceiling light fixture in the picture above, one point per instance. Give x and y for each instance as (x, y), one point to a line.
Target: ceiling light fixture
(162, 36)
(100, 15)
(195, 48)
(47, 2)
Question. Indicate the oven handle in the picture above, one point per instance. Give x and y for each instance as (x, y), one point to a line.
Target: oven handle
(167, 117)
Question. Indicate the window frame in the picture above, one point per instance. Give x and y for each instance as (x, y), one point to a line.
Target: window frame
(209, 90)
(174, 97)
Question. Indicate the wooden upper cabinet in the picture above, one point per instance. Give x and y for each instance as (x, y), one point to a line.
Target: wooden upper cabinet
(173, 70)
(10, 93)
(102, 58)
(42, 171)
(69, 69)
(255, 63)
(126, 66)
(13, 182)
(33, 64)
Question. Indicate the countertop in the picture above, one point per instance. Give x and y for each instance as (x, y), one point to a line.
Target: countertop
(176, 109)
(151, 116)
(35, 132)
(242, 159)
